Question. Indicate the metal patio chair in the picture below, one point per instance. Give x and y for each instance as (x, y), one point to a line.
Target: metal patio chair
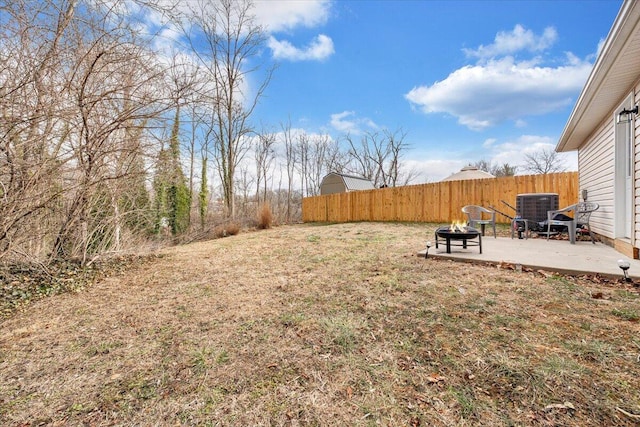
(581, 215)
(478, 215)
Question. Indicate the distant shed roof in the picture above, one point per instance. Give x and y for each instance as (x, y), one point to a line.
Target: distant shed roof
(341, 183)
(357, 183)
(468, 172)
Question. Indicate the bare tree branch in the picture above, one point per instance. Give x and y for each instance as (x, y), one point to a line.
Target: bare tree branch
(544, 161)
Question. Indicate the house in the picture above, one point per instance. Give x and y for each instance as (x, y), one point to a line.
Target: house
(604, 128)
(468, 172)
(339, 183)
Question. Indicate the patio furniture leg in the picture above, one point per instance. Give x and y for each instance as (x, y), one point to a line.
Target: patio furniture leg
(572, 232)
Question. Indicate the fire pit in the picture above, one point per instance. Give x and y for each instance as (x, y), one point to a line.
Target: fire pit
(461, 235)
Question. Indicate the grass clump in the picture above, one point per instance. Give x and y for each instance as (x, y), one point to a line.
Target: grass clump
(626, 314)
(226, 230)
(265, 216)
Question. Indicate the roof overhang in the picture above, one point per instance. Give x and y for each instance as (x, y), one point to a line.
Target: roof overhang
(613, 75)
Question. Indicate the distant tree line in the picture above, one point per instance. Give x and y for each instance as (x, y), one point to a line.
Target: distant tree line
(541, 161)
(504, 169)
(109, 142)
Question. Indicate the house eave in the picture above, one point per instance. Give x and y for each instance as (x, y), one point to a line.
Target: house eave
(611, 79)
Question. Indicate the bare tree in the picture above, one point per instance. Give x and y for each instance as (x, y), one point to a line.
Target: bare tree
(314, 155)
(78, 90)
(290, 161)
(232, 39)
(396, 174)
(264, 157)
(544, 161)
(303, 155)
(244, 184)
(378, 158)
(336, 158)
(32, 129)
(184, 86)
(113, 89)
(362, 156)
(318, 161)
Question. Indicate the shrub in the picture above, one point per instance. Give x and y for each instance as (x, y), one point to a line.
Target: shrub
(265, 217)
(228, 229)
(232, 228)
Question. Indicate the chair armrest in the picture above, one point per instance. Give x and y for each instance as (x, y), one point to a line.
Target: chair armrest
(550, 214)
(488, 211)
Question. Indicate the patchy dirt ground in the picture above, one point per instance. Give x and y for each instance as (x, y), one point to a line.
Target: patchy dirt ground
(324, 325)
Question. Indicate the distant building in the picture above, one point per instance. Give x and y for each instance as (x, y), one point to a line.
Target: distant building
(340, 183)
(468, 172)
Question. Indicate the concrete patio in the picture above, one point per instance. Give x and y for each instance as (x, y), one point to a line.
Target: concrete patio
(537, 253)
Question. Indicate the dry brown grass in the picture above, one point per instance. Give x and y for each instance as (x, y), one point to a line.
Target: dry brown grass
(324, 325)
(265, 217)
(225, 230)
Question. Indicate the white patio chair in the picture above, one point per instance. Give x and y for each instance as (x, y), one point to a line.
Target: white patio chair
(478, 215)
(581, 215)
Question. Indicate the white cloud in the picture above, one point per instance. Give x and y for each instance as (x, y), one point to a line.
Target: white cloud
(435, 166)
(513, 152)
(501, 88)
(488, 143)
(600, 47)
(348, 122)
(483, 95)
(167, 41)
(507, 43)
(319, 49)
(276, 15)
(339, 122)
(432, 170)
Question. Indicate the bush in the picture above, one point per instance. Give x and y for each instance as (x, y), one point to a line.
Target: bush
(228, 229)
(265, 217)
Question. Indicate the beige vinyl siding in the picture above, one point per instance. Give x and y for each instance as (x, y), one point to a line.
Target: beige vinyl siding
(636, 171)
(596, 165)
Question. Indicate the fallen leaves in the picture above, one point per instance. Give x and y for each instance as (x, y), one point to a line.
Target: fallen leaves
(628, 414)
(435, 378)
(561, 406)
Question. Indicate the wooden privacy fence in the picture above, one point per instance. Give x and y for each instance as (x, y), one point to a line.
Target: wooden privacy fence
(439, 202)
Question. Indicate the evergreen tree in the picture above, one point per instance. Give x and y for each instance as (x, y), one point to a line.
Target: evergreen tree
(202, 196)
(179, 198)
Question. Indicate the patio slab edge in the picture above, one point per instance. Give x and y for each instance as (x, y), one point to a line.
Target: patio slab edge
(582, 258)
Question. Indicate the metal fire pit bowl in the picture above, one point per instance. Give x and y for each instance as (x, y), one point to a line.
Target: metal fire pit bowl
(463, 238)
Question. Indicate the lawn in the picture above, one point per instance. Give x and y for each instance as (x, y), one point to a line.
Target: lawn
(324, 325)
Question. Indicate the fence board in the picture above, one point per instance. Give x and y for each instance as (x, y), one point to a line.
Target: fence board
(436, 202)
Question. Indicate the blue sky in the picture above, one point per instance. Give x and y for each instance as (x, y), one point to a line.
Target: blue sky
(465, 80)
